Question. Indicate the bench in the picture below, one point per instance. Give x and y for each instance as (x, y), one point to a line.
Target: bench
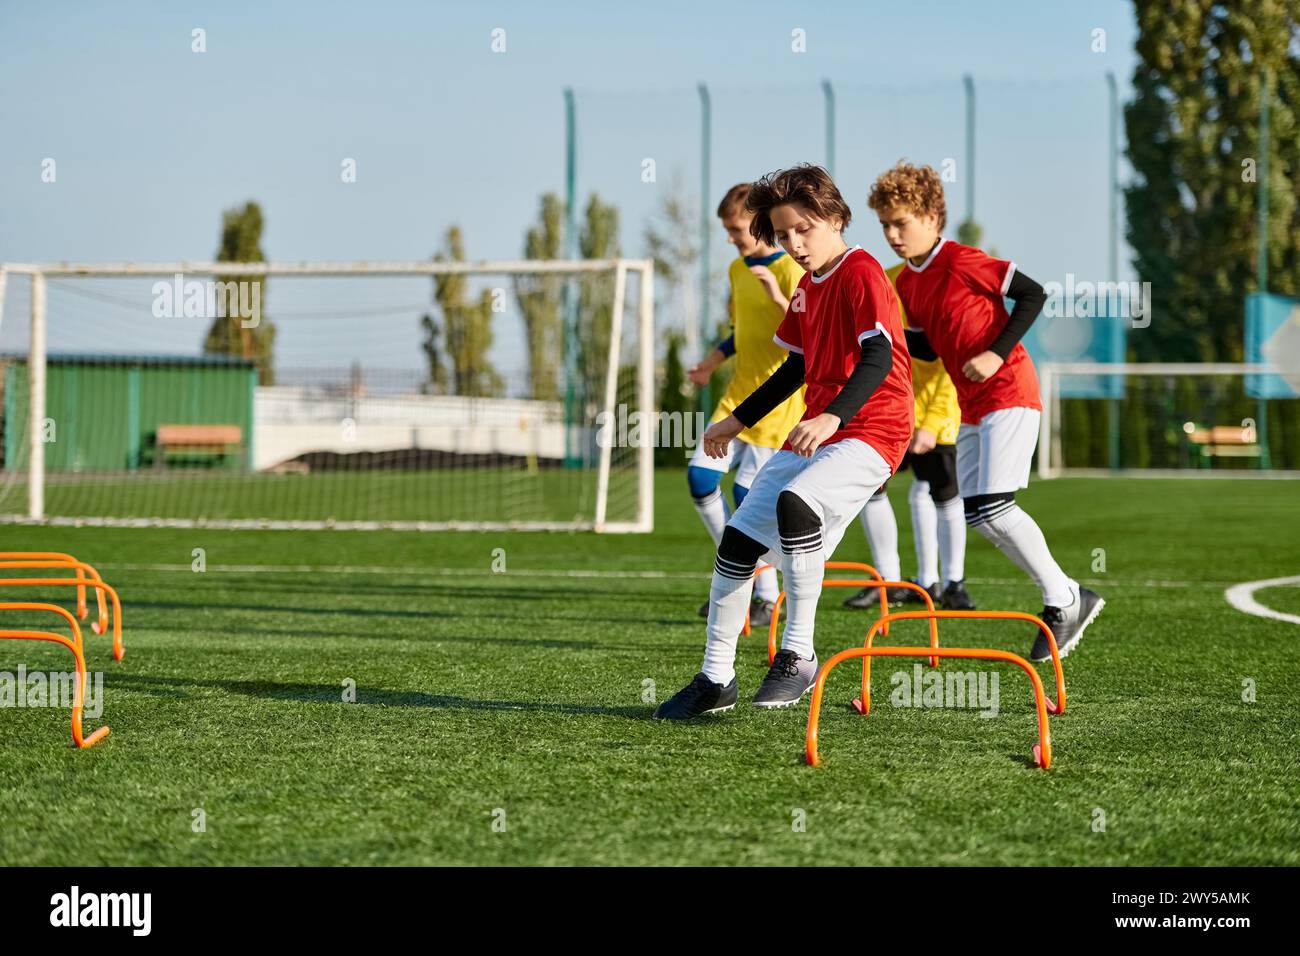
(191, 440)
(1225, 441)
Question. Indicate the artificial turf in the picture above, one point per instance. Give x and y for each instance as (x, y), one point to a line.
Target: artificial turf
(499, 715)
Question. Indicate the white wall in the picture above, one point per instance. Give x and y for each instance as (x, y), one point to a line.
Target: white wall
(291, 421)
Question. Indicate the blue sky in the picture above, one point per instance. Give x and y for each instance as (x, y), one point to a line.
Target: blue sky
(152, 141)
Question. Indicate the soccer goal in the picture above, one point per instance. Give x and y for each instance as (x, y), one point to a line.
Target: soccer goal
(1221, 420)
(434, 395)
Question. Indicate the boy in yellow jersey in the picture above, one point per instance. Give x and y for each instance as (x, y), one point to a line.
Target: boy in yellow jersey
(938, 519)
(762, 280)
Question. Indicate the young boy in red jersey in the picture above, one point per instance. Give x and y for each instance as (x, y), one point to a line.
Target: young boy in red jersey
(953, 295)
(845, 339)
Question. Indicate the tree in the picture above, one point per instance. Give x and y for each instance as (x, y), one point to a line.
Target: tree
(466, 329)
(969, 233)
(241, 241)
(540, 298)
(438, 382)
(673, 398)
(598, 239)
(1193, 143)
(670, 240)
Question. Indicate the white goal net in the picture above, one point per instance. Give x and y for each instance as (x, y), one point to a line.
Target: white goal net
(409, 395)
(1221, 420)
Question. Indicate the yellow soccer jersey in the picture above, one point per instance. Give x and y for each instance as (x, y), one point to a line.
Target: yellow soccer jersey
(754, 318)
(936, 396)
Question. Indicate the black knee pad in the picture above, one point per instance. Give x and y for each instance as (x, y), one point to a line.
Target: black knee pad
(980, 508)
(794, 517)
(738, 553)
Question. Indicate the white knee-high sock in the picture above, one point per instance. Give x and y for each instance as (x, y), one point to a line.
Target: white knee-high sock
(925, 533)
(712, 509)
(1018, 536)
(765, 586)
(803, 586)
(952, 539)
(882, 536)
(728, 602)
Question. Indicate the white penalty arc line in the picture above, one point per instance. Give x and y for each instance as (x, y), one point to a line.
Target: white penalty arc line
(1242, 597)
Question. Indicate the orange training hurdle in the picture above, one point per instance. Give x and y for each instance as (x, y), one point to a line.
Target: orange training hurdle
(1042, 750)
(78, 738)
(876, 581)
(851, 583)
(63, 559)
(863, 704)
(80, 583)
(830, 566)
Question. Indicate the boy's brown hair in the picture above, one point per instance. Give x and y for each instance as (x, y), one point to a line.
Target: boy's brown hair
(808, 185)
(917, 188)
(734, 201)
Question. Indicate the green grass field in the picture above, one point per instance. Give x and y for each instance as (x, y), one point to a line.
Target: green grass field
(479, 692)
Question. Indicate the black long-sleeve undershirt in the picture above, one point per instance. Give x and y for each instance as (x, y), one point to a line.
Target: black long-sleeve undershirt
(1029, 298)
(873, 365)
(780, 385)
(919, 346)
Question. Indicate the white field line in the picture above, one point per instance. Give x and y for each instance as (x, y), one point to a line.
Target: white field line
(486, 572)
(405, 571)
(1242, 597)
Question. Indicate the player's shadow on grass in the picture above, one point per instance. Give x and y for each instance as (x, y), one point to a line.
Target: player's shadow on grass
(206, 605)
(540, 643)
(532, 617)
(419, 637)
(366, 697)
(336, 585)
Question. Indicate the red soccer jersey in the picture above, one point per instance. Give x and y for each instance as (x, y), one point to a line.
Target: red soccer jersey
(955, 297)
(840, 309)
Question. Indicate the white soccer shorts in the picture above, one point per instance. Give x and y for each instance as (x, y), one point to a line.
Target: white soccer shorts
(835, 483)
(993, 457)
(747, 459)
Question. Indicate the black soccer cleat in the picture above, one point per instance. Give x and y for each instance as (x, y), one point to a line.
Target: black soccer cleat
(787, 680)
(909, 596)
(868, 598)
(698, 698)
(865, 599)
(704, 610)
(956, 598)
(760, 612)
(1067, 624)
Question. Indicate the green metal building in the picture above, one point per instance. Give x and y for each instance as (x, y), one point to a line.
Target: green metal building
(104, 411)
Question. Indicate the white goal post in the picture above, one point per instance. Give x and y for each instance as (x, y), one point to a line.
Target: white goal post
(545, 490)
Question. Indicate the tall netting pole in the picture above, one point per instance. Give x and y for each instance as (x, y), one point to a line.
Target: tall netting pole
(1112, 252)
(700, 328)
(1261, 254)
(828, 99)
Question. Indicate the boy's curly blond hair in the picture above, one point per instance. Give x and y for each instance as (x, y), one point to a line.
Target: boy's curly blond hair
(917, 188)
